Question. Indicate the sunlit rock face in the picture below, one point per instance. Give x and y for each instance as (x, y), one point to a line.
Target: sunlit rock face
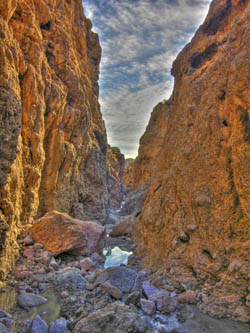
(195, 221)
(53, 139)
(116, 163)
(142, 169)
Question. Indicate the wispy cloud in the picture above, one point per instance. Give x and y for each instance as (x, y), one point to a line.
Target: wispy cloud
(140, 39)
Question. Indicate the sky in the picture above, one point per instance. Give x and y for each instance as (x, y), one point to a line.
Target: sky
(140, 39)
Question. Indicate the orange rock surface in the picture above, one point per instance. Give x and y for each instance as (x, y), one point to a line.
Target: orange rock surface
(142, 169)
(196, 219)
(53, 139)
(59, 233)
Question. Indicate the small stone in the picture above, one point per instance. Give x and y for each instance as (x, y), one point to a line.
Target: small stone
(191, 227)
(71, 277)
(60, 326)
(44, 286)
(29, 254)
(46, 257)
(38, 325)
(149, 289)
(248, 300)
(164, 302)
(147, 306)
(64, 294)
(54, 264)
(188, 297)
(97, 258)
(90, 277)
(6, 321)
(28, 240)
(29, 300)
(4, 314)
(86, 264)
(133, 298)
(113, 291)
(38, 246)
(3, 328)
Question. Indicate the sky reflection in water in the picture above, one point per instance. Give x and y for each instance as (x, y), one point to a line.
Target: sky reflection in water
(116, 258)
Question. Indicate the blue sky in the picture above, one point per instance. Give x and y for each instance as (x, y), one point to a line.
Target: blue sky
(139, 39)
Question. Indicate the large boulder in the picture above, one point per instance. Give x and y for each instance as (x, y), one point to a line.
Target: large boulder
(59, 233)
(124, 226)
(116, 318)
(26, 300)
(122, 278)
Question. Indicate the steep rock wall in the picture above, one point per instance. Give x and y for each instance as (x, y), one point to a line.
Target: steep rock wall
(196, 218)
(53, 139)
(142, 169)
(116, 163)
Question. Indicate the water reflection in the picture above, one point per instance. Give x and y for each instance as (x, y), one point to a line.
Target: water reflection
(49, 311)
(115, 257)
(8, 297)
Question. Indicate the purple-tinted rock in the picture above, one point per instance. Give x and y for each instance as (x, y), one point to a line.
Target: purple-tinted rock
(149, 289)
(147, 306)
(27, 300)
(38, 325)
(60, 326)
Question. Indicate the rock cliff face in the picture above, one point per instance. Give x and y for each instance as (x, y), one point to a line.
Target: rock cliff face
(116, 163)
(52, 136)
(142, 169)
(195, 221)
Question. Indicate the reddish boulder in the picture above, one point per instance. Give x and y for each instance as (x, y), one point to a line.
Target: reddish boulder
(124, 226)
(59, 233)
(188, 296)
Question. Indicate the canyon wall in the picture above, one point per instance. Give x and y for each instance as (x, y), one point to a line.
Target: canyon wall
(142, 169)
(195, 224)
(52, 137)
(116, 163)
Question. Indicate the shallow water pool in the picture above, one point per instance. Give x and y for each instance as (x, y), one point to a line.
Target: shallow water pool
(115, 257)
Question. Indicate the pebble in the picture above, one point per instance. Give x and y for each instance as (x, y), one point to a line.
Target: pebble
(26, 300)
(147, 306)
(86, 264)
(60, 326)
(38, 325)
(4, 314)
(112, 290)
(28, 240)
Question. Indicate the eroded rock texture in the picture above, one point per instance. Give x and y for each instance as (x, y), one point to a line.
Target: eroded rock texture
(116, 163)
(139, 172)
(53, 140)
(196, 216)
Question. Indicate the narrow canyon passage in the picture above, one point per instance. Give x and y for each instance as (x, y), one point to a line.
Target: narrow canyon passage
(89, 243)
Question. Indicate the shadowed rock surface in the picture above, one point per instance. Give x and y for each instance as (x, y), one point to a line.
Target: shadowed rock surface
(116, 163)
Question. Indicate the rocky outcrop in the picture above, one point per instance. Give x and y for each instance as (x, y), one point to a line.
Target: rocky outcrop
(195, 221)
(59, 233)
(53, 139)
(116, 163)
